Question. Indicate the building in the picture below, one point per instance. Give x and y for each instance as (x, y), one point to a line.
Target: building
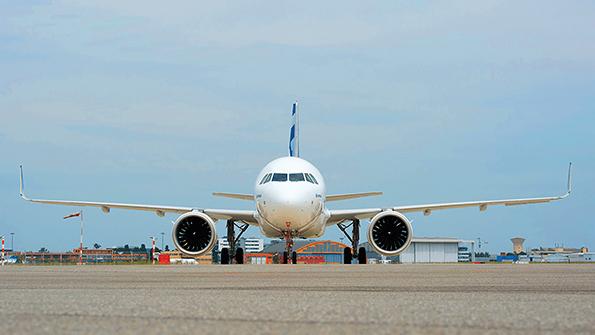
(517, 245)
(582, 257)
(464, 255)
(429, 250)
(259, 258)
(308, 252)
(434, 250)
(421, 250)
(250, 245)
(90, 256)
(253, 245)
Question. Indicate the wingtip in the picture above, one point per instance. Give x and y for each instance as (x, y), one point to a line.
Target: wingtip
(569, 178)
(22, 184)
(569, 182)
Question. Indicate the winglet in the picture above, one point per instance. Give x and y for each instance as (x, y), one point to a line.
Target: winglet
(569, 185)
(22, 185)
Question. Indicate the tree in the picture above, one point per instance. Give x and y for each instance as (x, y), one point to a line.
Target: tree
(143, 247)
(96, 245)
(166, 247)
(43, 249)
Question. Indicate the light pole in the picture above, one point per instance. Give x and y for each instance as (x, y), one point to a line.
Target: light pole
(12, 242)
(152, 250)
(81, 245)
(162, 236)
(80, 215)
(2, 260)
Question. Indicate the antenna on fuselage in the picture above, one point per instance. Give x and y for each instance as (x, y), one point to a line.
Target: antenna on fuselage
(294, 133)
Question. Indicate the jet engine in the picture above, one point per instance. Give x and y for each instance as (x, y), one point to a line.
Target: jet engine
(194, 233)
(389, 233)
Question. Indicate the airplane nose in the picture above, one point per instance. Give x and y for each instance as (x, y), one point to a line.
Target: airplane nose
(290, 208)
(290, 204)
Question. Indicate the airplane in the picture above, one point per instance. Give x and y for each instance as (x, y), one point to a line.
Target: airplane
(290, 202)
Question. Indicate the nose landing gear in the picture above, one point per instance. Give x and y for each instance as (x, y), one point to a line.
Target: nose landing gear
(355, 250)
(288, 237)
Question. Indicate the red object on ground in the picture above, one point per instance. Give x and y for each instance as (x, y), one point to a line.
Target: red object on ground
(310, 259)
(164, 259)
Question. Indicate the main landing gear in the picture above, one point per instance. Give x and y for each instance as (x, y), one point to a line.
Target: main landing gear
(355, 250)
(232, 254)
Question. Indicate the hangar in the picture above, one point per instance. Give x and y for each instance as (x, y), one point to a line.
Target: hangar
(431, 250)
(308, 252)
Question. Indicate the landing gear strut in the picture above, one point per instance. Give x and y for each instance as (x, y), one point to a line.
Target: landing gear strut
(356, 251)
(288, 237)
(231, 253)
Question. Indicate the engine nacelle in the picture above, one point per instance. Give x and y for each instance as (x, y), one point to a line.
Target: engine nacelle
(389, 233)
(194, 233)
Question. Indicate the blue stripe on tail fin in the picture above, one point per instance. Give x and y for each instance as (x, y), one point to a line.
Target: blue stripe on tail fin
(294, 135)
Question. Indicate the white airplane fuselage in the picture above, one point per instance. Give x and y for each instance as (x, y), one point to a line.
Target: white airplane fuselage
(290, 196)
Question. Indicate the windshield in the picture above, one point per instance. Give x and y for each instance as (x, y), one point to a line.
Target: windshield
(280, 177)
(296, 177)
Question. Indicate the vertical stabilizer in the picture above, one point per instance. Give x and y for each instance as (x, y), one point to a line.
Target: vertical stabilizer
(294, 133)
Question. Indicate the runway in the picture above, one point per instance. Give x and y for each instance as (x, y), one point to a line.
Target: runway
(251, 299)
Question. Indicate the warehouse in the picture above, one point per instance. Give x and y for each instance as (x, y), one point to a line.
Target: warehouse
(430, 250)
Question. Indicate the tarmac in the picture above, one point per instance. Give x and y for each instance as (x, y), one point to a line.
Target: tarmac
(287, 299)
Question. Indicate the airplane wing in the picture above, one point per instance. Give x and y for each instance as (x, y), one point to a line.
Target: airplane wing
(337, 197)
(338, 216)
(246, 216)
(234, 196)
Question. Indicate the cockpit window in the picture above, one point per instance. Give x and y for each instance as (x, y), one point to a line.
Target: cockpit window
(262, 181)
(280, 177)
(309, 179)
(266, 178)
(313, 179)
(296, 177)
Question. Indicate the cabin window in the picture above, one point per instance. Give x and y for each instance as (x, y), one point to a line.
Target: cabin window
(280, 177)
(296, 177)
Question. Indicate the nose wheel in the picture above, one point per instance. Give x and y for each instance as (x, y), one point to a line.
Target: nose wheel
(355, 251)
(288, 237)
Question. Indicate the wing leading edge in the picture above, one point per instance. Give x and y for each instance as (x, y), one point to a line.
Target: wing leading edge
(219, 214)
(338, 216)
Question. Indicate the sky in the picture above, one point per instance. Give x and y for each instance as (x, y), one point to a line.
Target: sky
(429, 101)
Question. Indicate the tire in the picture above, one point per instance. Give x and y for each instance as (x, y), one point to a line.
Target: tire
(347, 257)
(239, 257)
(285, 257)
(294, 257)
(362, 258)
(224, 256)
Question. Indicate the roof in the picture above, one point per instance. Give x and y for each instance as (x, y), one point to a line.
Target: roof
(440, 240)
(279, 247)
(314, 243)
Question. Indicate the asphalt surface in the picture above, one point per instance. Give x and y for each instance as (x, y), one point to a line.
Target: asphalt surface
(254, 299)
